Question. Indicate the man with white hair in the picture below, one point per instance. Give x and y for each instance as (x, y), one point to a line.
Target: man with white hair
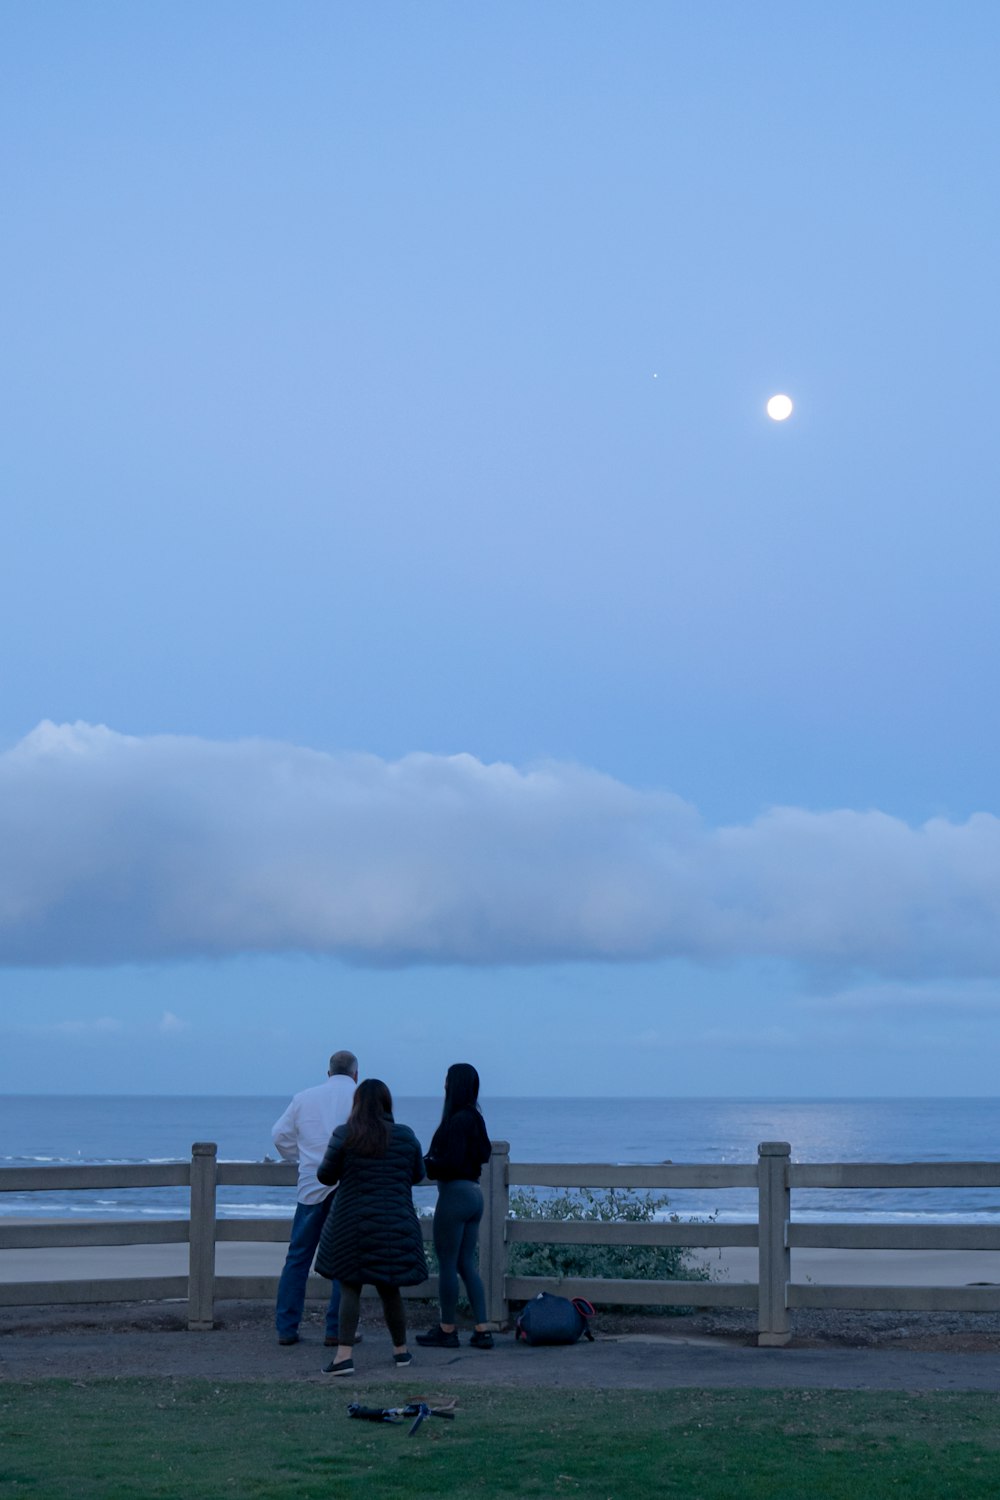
(301, 1136)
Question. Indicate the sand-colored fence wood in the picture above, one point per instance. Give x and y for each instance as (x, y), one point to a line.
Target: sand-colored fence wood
(609, 1290)
(867, 1175)
(775, 1234)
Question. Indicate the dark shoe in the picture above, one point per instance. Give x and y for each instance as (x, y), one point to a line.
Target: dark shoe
(436, 1338)
(403, 1359)
(288, 1338)
(345, 1367)
(481, 1339)
(335, 1342)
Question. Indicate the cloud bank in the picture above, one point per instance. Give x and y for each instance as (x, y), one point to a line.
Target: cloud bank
(116, 849)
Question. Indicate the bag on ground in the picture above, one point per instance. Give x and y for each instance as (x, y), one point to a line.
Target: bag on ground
(548, 1319)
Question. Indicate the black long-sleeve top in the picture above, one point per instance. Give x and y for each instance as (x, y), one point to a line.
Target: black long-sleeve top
(460, 1147)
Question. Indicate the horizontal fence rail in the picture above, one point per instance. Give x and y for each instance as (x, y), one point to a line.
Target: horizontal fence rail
(275, 1231)
(589, 1232)
(106, 1289)
(605, 1289)
(897, 1298)
(600, 1175)
(255, 1174)
(832, 1236)
(59, 1179)
(775, 1235)
(76, 1236)
(263, 1288)
(903, 1174)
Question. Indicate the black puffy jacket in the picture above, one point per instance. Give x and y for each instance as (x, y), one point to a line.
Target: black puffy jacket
(372, 1233)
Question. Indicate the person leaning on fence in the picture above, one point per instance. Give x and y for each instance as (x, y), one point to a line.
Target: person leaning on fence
(301, 1136)
(459, 1150)
(373, 1235)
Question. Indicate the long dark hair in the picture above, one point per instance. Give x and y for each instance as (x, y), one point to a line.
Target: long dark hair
(461, 1090)
(368, 1128)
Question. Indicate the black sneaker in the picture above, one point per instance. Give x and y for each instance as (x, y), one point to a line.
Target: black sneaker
(436, 1338)
(406, 1358)
(481, 1339)
(345, 1367)
(288, 1338)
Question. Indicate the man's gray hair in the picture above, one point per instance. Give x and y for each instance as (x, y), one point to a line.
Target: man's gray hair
(343, 1063)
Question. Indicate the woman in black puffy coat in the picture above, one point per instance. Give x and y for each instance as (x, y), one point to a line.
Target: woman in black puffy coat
(372, 1234)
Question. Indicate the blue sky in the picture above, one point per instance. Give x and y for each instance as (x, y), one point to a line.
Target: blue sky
(461, 663)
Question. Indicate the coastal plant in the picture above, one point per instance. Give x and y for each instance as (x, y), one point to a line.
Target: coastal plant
(616, 1262)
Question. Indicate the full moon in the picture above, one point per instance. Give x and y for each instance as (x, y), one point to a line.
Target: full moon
(779, 407)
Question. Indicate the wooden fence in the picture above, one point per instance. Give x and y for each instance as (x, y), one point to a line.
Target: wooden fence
(775, 1235)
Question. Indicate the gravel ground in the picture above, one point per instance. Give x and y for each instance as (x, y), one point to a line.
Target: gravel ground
(708, 1350)
(963, 1333)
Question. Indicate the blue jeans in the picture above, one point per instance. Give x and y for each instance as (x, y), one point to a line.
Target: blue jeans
(307, 1226)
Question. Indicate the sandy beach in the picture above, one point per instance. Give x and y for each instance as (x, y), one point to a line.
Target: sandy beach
(864, 1267)
(236, 1258)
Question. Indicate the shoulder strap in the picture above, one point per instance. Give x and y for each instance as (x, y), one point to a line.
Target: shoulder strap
(586, 1311)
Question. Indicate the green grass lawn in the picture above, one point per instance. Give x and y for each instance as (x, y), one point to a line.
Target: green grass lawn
(111, 1439)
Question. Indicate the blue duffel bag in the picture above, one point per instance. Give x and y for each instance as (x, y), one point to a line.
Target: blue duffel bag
(554, 1320)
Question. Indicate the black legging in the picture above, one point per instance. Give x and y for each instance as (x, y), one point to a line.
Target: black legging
(392, 1310)
(456, 1237)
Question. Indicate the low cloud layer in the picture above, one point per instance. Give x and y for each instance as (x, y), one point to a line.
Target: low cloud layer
(116, 849)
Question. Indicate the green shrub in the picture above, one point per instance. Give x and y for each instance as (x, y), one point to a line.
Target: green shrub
(617, 1262)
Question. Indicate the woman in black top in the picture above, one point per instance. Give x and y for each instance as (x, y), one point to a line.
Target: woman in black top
(460, 1147)
(372, 1233)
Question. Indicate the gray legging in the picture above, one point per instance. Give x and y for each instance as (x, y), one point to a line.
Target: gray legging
(456, 1238)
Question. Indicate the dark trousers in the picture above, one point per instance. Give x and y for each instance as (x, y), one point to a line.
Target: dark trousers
(456, 1241)
(392, 1310)
(307, 1226)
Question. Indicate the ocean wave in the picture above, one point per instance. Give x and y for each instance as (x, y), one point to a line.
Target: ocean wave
(93, 1161)
(243, 1210)
(17, 1205)
(255, 1211)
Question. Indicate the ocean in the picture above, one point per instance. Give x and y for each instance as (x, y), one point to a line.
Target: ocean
(40, 1130)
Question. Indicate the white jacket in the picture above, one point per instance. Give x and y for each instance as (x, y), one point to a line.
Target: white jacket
(304, 1130)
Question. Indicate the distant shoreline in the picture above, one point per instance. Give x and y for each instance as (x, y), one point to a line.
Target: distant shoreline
(630, 1098)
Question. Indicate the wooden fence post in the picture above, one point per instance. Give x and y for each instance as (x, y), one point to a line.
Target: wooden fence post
(493, 1236)
(774, 1258)
(201, 1249)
